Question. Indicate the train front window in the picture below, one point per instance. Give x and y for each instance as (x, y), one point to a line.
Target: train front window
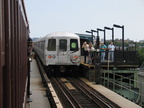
(51, 45)
(63, 45)
(73, 45)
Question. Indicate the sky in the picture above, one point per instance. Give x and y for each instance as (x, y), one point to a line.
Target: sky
(77, 16)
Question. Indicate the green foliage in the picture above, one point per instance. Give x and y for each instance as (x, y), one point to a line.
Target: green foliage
(140, 55)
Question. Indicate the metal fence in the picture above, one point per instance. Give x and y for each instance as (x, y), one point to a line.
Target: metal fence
(125, 86)
(142, 67)
(128, 57)
(120, 57)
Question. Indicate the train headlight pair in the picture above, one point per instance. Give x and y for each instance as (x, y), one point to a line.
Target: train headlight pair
(51, 56)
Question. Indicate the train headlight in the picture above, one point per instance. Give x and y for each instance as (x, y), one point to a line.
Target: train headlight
(74, 59)
(51, 56)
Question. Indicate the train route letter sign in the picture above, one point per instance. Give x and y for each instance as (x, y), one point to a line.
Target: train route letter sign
(73, 45)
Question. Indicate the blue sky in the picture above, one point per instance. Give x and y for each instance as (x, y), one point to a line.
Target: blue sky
(46, 16)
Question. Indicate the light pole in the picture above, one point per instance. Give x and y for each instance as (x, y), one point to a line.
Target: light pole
(122, 27)
(103, 31)
(96, 32)
(97, 39)
(112, 32)
(97, 60)
(91, 35)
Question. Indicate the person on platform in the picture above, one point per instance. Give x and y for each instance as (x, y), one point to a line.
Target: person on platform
(30, 47)
(102, 50)
(90, 53)
(90, 43)
(85, 47)
(111, 49)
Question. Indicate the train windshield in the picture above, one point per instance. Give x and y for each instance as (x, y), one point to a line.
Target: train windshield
(63, 45)
(51, 45)
(73, 45)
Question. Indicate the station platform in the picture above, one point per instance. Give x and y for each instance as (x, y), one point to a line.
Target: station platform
(39, 99)
(114, 97)
(108, 63)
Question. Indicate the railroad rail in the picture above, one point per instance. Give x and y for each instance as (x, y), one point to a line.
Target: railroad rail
(74, 93)
(79, 94)
(94, 95)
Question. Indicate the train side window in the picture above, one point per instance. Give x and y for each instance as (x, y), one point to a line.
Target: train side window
(42, 44)
(39, 45)
(63, 45)
(73, 45)
(51, 45)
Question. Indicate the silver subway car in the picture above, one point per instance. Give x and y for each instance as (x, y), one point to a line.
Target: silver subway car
(59, 51)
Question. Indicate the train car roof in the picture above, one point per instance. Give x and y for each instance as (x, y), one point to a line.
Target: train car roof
(58, 34)
(68, 34)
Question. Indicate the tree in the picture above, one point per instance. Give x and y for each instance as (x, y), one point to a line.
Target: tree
(140, 55)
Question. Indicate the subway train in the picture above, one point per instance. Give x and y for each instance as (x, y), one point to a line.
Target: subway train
(59, 51)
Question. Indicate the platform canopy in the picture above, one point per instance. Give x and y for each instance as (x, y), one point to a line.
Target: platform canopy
(85, 36)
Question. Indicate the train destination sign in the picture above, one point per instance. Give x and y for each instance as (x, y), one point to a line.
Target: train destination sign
(73, 45)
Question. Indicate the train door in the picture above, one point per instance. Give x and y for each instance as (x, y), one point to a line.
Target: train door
(74, 51)
(51, 51)
(63, 51)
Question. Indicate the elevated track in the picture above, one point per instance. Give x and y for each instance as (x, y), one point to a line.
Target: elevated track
(73, 93)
